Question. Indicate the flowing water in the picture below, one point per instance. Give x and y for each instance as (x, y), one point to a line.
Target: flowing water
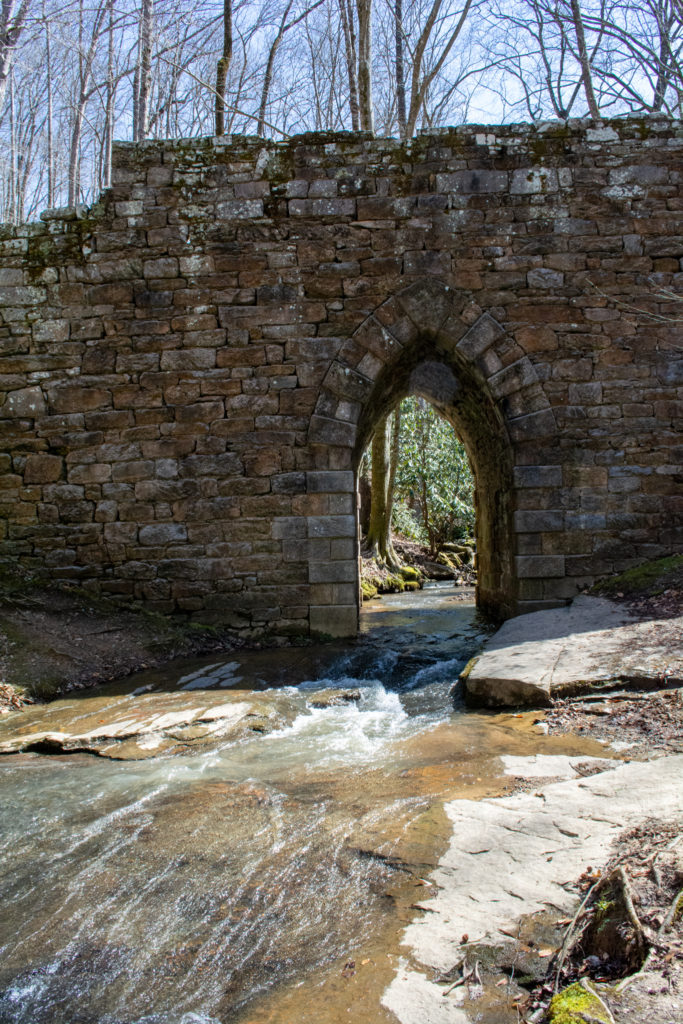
(227, 883)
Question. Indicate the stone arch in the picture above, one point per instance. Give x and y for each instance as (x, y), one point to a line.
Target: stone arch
(430, 340)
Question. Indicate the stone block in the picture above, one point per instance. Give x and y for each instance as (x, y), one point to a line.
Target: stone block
(513, 378)
(120, 533)
(483, 333)
(538, 476)
(48, 331)
(534, 181)
(333, 572)
(428, 304)
(25, 403)
(43, 469)
(331, 526)
(544, 278)
(329, 482)
(165, 266)
(79, 398)
(161, 534)
(130, 472)
(92, 473)
(333, 432)
(334, 619)
(540, 566)
(239, 209)
(289, 528)
(474, 182)
(541, 521)
(534, 426)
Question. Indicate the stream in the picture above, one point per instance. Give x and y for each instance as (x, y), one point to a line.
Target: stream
(252, 878)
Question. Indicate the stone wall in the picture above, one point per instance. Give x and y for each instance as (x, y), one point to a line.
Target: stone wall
(191, 368)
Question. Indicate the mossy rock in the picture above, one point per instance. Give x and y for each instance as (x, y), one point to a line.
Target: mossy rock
(411, 584)
(394, 585)
(646, 580)
(579, 1004)
(451, 560)
(408, 573)
(368, 590)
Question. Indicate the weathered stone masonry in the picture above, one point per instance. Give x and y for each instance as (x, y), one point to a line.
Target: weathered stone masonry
(191, 368)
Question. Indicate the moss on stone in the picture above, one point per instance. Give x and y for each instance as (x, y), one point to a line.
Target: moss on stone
(644, 580)
(368, 590)
(408, 572)
(578, 1004)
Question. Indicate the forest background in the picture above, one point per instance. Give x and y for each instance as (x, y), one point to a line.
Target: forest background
(76, 74)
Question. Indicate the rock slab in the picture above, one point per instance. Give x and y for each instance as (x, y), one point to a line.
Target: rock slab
(518, 855)
(591, 644)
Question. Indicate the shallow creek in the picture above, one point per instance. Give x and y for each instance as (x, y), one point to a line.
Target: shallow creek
(256, 876)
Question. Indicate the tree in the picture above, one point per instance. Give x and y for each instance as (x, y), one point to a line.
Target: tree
(223, 67)
(584, 60)
(434, 474)
(385, 455)
(367, 114)
(12, 22)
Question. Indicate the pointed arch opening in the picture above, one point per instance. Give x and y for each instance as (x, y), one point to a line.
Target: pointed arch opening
(458, 398)
(434, 342)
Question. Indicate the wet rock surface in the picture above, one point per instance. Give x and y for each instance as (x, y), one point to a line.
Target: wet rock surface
(592, 644)
(477, 952)
(139, 726)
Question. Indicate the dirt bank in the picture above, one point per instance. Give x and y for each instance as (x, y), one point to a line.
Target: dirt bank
(55, 640)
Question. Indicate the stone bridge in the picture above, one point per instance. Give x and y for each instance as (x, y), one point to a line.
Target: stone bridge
(191, 368)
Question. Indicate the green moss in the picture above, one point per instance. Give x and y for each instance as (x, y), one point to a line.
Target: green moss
(409, 573)
(578, 1005)
(645, 580)
(678, 909)
(468, 668)
(368, 590)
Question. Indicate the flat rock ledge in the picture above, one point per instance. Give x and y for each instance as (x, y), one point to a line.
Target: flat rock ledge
(592, 644)
(519, 855)
(140, 725)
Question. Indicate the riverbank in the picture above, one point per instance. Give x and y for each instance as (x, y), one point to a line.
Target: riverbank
(564, 902)
(424, 810)
(56, 640)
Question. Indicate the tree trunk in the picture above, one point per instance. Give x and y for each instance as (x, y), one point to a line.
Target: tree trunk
(400, 71)
(351, 62)
(381, 500)
(145, 68)
(11, 26)
(223, 67)
(75, 154)
(268, 75)
(367, 119)
(109, 109)
(584, 61)
(50, 115)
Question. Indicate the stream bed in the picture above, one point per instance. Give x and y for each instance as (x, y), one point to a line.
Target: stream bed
(250, 876)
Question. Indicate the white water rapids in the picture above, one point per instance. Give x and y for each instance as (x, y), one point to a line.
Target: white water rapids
(181, 889)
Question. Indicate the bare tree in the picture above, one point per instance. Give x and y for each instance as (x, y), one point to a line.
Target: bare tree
(367, 114)
(349, 29)
(12, 22)
(584, 60)
(401, 114)
(223, 67)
